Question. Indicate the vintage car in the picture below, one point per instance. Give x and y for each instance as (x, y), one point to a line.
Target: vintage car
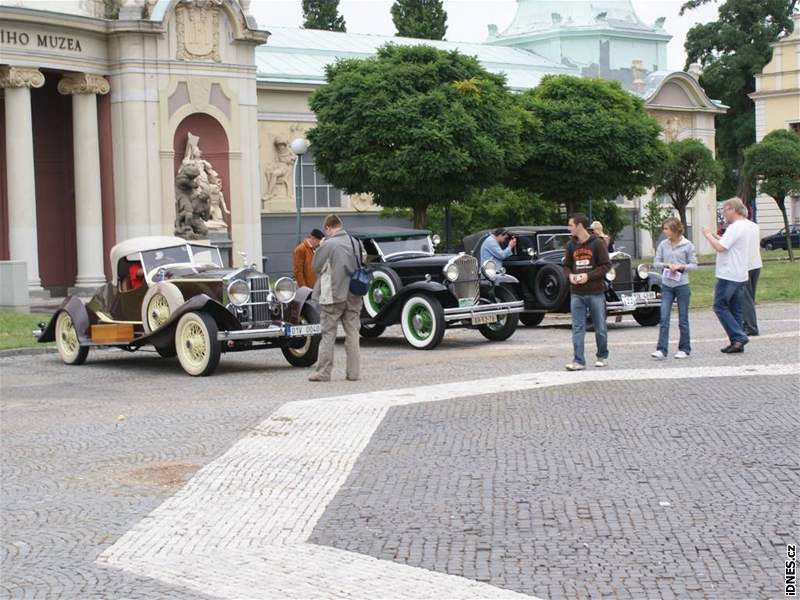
(427, 293)
(537, 262)
(177, 296)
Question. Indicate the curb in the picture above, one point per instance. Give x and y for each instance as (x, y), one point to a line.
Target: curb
(11, 352)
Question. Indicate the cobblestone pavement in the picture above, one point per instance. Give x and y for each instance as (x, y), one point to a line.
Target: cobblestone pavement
(88, 452)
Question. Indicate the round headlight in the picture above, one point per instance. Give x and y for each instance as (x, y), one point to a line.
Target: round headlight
(530, 251)
(436, 240)
(642, 270)
(490, 269)
(451, 272)
(612, 274)
(238, 292)
(285, 290)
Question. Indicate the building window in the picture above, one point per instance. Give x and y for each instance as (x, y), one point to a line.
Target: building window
(317, 192)
(795, 127)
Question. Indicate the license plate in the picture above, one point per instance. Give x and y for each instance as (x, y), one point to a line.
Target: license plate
(303, 330)
(484, 319)
(465, 302)
(632, 299)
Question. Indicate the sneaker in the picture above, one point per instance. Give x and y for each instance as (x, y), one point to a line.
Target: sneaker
(318, 377)
(574, 366)
(681, 354)
(601, 362)
(658, 355)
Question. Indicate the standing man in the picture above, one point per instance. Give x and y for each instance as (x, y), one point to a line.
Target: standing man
(302, 258)
(731, 271)
(749, 319)
(586, 263)
(492, 247)
(334, 264)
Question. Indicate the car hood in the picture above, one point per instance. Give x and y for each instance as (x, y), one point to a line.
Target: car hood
(206, 274)
(437, 260)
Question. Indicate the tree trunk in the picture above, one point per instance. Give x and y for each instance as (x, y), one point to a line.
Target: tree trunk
(681, 208)
(787, 233)
(420, 217)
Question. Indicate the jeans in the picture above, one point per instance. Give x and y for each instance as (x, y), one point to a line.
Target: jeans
(749, 303)
(681, 294)
(728, 308)
(595, 304)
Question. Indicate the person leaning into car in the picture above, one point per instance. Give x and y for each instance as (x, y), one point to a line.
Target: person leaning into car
(586, 263)
(334, 263)
(492, 248)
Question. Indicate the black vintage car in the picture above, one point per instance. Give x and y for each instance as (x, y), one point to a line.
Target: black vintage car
(537, 262)
(427, 293)
(177, 296)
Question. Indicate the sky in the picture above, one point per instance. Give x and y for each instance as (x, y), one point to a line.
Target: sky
(467, 20)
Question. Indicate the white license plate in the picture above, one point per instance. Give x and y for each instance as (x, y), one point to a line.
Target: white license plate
(303, 330)
(633, 299)
(484, 319)
(465, 302)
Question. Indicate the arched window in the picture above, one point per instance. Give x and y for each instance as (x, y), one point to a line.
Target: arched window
(316, 191)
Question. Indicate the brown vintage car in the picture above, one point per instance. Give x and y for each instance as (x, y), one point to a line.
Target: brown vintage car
(177, 296)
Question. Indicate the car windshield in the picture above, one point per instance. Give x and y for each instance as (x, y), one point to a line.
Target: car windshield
(553, 241)
(415, 245)
(203, 255)
(152, 259)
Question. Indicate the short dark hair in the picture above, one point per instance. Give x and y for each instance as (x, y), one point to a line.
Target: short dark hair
(317, 234)
(500, 231)
(580, 219)
(332, 221)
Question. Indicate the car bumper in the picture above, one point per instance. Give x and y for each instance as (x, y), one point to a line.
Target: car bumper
(266, 333)
(618, 306)
(468, 312)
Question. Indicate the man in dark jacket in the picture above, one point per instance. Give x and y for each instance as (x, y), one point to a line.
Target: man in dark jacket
(586, 263)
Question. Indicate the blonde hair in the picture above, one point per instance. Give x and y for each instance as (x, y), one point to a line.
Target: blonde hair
(332, 221)
(597, 227)
(674, 224)
(737, 205)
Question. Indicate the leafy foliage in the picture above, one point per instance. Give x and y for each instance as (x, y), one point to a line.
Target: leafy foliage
(689, 168)
(653, 219)
(323, 14)
(423, 19)
(774, 163)
(732, 50)
(598, 142)
(607, 212)
(415, 126)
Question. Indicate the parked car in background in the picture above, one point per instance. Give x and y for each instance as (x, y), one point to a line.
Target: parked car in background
(778, 240)
(537, 263)
(176, 296)
(427, 293)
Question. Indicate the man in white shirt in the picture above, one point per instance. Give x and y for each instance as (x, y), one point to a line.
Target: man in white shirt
(749, 319)
(733, 256)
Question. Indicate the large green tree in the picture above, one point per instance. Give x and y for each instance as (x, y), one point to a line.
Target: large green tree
(415, 126)
(424, 19)
(690, 167)
(652, 219)
(323, 14)
(586, 138)
(733, 50)
(774, 165)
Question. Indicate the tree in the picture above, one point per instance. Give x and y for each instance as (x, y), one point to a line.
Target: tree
(653, 219)
(323, 14)
(689, 168)
(607, 212)
(597, 142)
(424, 19)
(774, 163)
(415, 126)
(732, 50)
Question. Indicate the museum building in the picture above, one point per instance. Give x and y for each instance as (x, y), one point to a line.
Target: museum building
(98, 110)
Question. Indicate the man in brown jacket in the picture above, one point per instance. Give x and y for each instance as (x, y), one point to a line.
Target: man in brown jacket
(302, 259)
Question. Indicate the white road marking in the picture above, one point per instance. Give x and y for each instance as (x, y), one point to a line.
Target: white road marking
(240, 526)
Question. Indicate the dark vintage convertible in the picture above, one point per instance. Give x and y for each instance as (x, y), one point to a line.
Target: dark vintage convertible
(427, 293)
(176, 295)
(537, 262)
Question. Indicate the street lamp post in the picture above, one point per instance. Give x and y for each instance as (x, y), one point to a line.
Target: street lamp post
(299, 146)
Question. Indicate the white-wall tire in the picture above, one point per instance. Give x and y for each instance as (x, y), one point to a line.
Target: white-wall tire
(67, 343)
(159, 304)
(422, 321)
(196, 344)
(383, 285)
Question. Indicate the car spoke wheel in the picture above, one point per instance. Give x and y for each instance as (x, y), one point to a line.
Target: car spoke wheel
(422, 321)
(303, 352)
(159, 304)
(67, 342)
(157, 312)
(196, 344)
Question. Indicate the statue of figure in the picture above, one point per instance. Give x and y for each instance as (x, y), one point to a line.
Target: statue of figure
(279, 173)
(218, 207)
(199, 202)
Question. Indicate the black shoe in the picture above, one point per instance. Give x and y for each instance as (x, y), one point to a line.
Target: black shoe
(726, 349)
(751, 332)
(734, 348)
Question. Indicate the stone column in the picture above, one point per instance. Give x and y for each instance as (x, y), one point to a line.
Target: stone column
(23, 241)
(88, 195)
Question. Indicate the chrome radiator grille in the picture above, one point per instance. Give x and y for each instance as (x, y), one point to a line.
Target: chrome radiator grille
(624, 279)
(467, 286)
(259, 292)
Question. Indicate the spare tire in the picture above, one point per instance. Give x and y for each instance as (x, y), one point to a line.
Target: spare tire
(159, 304)
(383, 285)
(550, 287)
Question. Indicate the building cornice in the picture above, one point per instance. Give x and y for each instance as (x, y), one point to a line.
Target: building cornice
(776, 94)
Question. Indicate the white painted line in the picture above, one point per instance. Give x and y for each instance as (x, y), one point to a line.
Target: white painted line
(240, 526)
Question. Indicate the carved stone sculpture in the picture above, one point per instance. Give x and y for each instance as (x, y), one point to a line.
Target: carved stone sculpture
(198, 29)
(199, 202)
(279, 173)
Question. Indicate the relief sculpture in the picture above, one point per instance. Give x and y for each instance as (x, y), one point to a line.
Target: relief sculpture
(279, 172)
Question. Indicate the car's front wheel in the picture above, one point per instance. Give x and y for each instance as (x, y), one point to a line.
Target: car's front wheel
(769, 246)
(531, 319)
(303, 352)
(647, 317)
(67, 343)
(506, 325)
(196, 344)
(422, 321)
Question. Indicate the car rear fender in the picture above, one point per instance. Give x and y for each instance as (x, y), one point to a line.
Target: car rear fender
(76, 309)
(390, 313)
